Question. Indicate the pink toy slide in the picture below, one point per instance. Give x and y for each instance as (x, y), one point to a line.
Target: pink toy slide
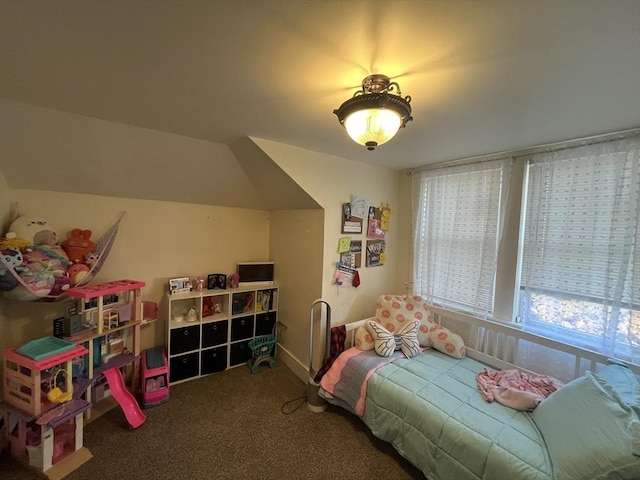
(127, 402)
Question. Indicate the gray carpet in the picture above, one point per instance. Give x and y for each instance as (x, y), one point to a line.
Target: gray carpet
(234, 425)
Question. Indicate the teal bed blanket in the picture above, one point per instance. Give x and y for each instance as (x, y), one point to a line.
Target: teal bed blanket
(430, 410)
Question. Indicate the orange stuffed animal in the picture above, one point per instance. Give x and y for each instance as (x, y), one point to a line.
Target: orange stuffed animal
(78, 244)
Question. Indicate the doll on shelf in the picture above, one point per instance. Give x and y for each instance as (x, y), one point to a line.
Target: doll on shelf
(191, 315)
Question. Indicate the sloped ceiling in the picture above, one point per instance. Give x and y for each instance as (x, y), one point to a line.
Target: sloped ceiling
(484, 77)
(45, 149)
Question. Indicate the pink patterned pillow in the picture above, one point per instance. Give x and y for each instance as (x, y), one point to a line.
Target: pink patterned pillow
(393, 311)
(363, 339)
(445, 341)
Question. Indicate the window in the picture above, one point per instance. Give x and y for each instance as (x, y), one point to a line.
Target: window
(569, 264)
(580, 279)
(456, 234)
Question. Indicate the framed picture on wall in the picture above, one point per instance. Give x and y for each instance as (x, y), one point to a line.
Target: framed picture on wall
(350, 223)
(375, 253)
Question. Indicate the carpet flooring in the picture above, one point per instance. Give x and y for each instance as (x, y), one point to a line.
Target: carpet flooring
(234, 425)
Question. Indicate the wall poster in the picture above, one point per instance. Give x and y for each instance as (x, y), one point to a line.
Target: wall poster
(353, 257)
(374, 226)
(375, 255)
(350, 223)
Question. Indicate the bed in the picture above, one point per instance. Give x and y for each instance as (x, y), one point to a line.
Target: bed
(430, 409)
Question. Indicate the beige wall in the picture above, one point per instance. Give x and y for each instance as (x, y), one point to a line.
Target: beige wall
(159, 240)
(156, 241)
(4, 204)
(332, 181)
(296, 247)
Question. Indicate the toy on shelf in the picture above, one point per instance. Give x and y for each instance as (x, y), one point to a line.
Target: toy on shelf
(55, 394)
(192, 315)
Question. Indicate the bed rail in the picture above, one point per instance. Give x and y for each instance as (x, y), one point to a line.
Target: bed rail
(504, 346)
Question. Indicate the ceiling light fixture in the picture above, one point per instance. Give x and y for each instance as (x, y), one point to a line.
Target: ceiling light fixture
(375, 114)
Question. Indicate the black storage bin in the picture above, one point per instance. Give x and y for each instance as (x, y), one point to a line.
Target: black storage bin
(214, 333)
(213, 360)
(185, 339)
(265, 323)
(241, 328)
(183, 367)
(240, 353)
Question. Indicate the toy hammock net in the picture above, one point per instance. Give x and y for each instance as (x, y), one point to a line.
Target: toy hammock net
(26, 291)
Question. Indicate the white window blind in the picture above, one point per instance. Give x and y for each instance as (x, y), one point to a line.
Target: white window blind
(580, 280)
(458, 215)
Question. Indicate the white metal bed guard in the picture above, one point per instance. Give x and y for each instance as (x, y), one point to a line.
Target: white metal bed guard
(503, 346)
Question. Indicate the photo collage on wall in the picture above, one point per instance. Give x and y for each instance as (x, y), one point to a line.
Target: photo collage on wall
(377, 226)
(358, 218)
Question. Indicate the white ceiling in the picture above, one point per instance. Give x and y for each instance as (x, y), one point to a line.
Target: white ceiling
(484, 76)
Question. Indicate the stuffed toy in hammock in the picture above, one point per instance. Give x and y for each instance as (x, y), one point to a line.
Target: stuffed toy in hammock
(34, 267)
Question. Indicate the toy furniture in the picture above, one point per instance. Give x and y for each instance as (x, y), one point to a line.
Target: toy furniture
(96, 302)
(44, 416)
(155, 377)
(24, 377)
(46, 434)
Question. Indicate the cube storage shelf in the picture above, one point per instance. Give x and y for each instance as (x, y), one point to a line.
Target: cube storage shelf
(210, 331)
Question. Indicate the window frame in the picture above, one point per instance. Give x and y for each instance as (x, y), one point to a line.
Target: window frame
(509, 263)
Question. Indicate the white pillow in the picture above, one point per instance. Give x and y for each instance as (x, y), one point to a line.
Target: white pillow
(385, 342)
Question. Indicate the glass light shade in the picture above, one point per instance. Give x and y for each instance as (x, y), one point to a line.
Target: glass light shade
(372, 126)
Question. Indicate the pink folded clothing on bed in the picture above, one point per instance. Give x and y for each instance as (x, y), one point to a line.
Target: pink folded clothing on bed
(515, 389)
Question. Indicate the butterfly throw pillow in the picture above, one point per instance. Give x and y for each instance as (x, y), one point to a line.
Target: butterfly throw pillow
(386, 342)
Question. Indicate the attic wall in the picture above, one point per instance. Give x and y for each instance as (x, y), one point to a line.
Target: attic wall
(332, 181)
(156, 241)
(44, 149)
(169, 238)
(296, 245)
(4, 203)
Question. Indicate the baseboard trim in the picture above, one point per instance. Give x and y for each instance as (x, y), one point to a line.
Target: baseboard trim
(296, 366)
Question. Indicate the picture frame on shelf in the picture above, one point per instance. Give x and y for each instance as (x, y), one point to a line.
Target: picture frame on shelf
(217, 281)
(180, 285)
